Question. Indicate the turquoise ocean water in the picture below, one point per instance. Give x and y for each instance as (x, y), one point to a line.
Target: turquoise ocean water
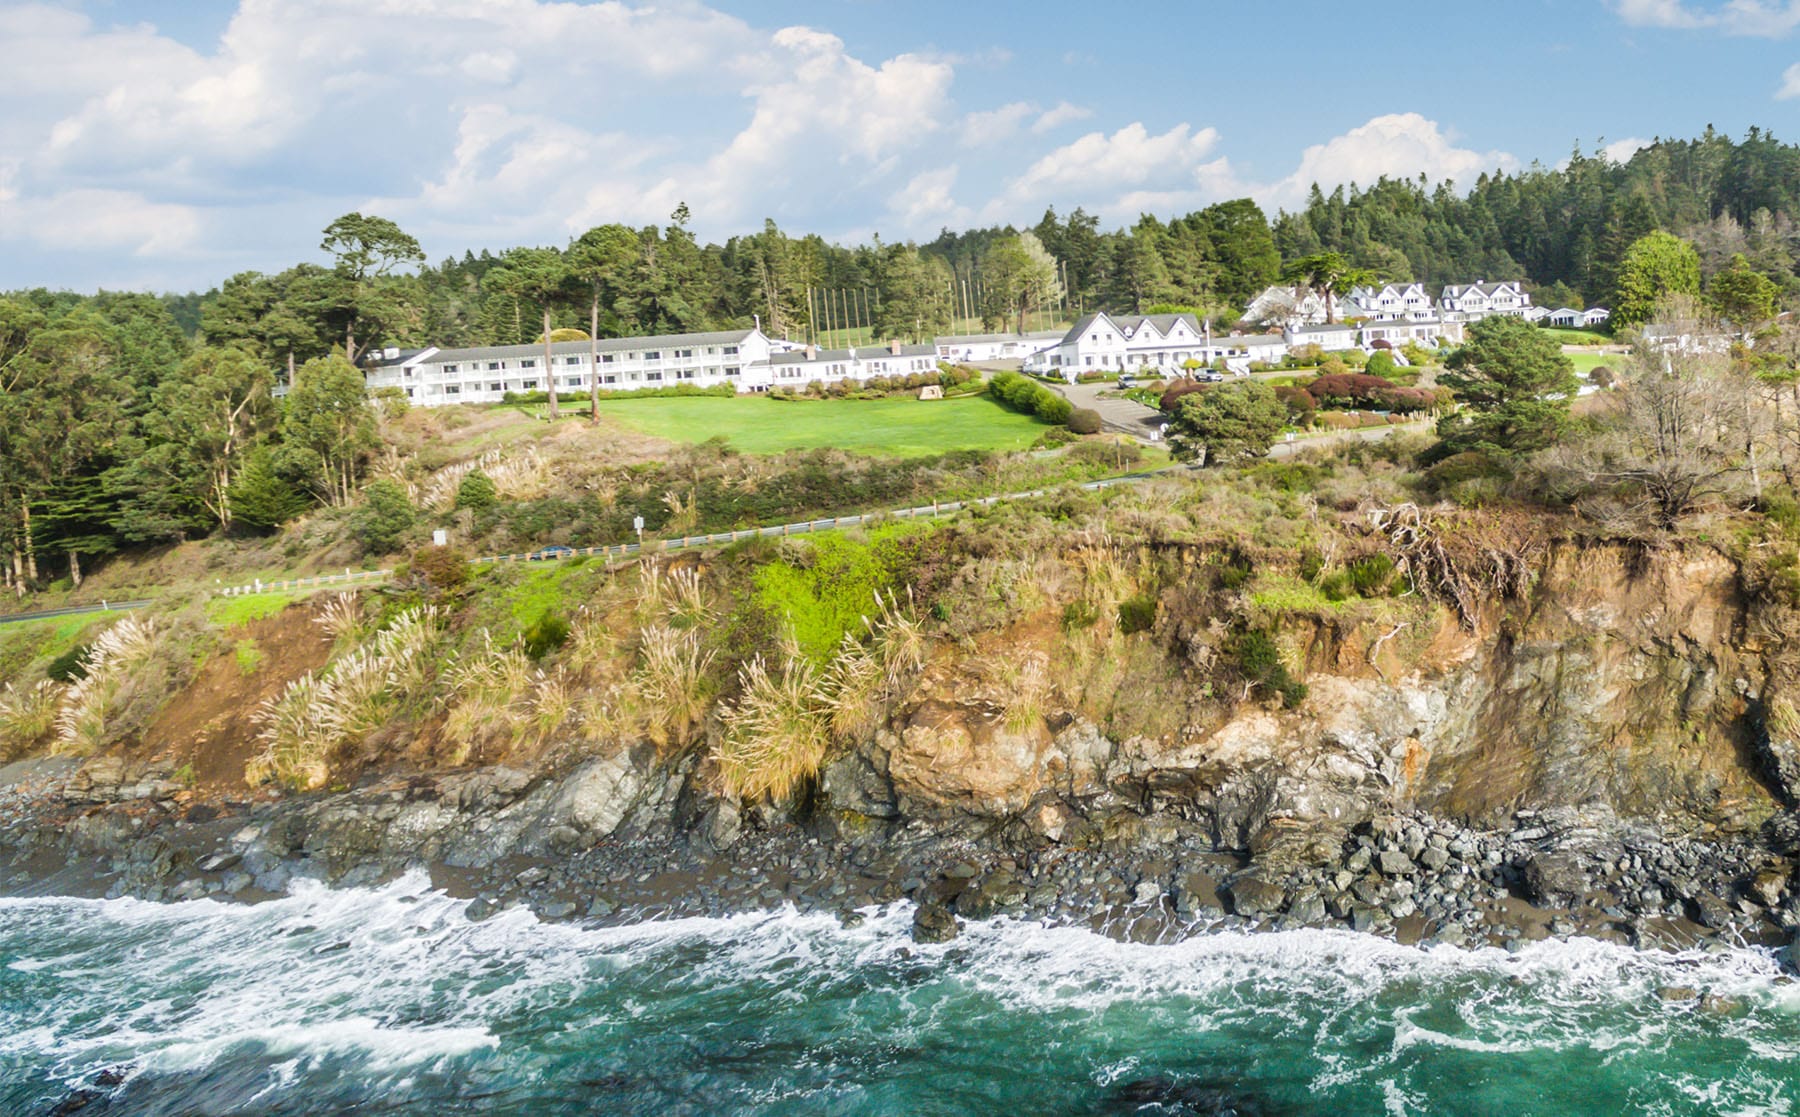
(392, 1002)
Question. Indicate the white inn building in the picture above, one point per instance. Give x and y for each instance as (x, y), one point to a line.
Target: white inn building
(748, 360)
(437, 377)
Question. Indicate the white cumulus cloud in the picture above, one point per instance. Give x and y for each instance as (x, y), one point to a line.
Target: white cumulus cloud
(1399, 145)
(990, 126)
(1790, 84)
(1759, 18)
(1063, 113)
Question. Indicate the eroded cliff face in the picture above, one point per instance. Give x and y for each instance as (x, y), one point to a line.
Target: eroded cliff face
(1632, 680)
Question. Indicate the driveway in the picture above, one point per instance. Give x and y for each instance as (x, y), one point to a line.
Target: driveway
(1122, 415)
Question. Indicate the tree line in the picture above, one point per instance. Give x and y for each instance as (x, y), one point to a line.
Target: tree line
(128, 418)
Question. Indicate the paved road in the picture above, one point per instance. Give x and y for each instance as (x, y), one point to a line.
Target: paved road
(73, 611)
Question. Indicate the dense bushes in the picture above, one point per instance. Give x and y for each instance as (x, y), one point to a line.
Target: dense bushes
(1084, 420)
(1171, 398)
(1353, 390)
(1300, 404)
(384, 517)
(1023, 394)
(573, 395)
(1346, 389)
(954, 379)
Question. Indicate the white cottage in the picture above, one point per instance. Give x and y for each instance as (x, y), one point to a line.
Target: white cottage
(1129, 342)
(1286, 307)
(1334, 338)
(1474, 301)
(1390, 301)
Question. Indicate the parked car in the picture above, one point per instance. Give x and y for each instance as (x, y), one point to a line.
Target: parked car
(1210, 376)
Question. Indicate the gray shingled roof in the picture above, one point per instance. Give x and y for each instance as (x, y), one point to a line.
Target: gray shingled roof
(606, 345)
(374, 359)
(799, 357)
(1081, 326)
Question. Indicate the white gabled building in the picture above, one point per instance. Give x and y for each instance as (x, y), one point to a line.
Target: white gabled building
(1388, 302)
(1474, 301)
(1285, 307)
(485, 374)
(1127, 342)
(1595, 316)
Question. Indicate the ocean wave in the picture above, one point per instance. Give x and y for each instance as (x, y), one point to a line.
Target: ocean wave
(346, 990)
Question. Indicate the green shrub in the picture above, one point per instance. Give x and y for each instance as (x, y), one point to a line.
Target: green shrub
(546, 634)
(1371, 575)
(1782, 511)
(1137, 613)
(1021, 393)
(1084, 420)
(1079, 614)
(69, 666)
(477, 492)
(829, 586)
(1258, 660)
(249, 657)
(445, 568)
(384, 517)
(1235, 571)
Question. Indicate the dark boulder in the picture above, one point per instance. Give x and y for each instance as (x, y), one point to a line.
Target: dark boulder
(1554, 880)
(992, 894)
(934, 923)
(1253, 897)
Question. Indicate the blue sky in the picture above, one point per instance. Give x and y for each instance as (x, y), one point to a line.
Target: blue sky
(166, 145)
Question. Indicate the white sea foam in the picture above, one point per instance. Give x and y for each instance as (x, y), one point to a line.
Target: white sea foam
(395, 980)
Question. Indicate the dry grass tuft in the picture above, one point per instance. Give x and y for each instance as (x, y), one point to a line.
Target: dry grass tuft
(672, 682)
(501, 699)
(313, 717)
(776, 735)
(340, 616)
(27, 715)
(1025, 685)
(88, 704)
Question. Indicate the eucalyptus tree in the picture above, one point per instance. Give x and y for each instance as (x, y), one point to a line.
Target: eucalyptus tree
(541, 276)
(602, 258)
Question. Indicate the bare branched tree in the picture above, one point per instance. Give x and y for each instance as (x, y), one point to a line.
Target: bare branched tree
(1681, 431)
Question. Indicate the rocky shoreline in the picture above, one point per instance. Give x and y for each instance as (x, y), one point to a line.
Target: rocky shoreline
(610, 843)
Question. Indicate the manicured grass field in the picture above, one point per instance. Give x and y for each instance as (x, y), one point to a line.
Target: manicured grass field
(1586, 362)
(1566, 336)
(890, 428)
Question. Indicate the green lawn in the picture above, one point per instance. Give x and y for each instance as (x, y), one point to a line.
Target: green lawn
(894, 428)
(1586, 362)
(1566, 336)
